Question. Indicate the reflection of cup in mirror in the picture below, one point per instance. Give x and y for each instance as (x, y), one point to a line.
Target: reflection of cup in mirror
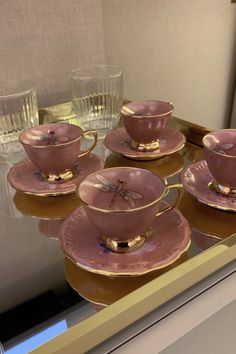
(144, 121)
(50, 228)
(102, 290)
(46, 207)
(203, 240)
(207, 219)
(166, 166)
(7, 192)
(122, 203)
(55, 148)
(220, 154)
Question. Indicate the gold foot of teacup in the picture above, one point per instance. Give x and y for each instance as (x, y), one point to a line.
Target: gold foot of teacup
(127, 245)
(154, 145)
(62, 177)
(223, 190)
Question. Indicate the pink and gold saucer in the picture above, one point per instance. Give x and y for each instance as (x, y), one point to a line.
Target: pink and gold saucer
(80, 242)
(25, 177)
(118, 141)
(196, 179)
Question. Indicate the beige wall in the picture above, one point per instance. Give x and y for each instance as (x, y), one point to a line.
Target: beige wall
(44, 39)
(177, 50)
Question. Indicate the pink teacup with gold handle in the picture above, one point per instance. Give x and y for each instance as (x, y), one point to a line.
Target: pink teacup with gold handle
(54, 149)
(220, 154)
(144, 122)
(122, 203)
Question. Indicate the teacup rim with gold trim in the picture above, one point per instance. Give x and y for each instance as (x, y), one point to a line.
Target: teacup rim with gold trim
(128, 112)
(212, 134)
(119, 211)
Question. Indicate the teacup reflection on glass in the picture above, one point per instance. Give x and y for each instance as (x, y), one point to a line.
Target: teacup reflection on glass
(144, 122)
(220, 154)
(122, 203)
(55, 148)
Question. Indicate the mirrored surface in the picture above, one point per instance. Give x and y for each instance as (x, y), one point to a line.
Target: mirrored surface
(38, 282)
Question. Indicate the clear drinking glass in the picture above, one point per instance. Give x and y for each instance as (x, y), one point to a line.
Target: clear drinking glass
(97, 93)
(18, 111)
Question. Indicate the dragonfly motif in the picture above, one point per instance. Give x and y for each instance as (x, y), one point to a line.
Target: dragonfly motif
(50, 138)
(118, 189)
(222, 148)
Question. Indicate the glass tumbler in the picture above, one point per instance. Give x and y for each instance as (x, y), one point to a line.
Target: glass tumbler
(97, 93)
(18, 111)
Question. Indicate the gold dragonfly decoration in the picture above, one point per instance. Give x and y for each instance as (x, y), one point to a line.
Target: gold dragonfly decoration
(50, 138)
(117, 189)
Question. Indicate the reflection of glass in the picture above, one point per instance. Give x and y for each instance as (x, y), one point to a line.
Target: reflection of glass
(97, 96)
(7, 192)
(18, 111)
(102, 290)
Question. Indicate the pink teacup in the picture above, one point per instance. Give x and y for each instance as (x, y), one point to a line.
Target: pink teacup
(122, 203)
(220, 154)
(144, 122)
(54, 148)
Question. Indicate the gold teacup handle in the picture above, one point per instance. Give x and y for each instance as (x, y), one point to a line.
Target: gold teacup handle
(95, 135)
(179, 188)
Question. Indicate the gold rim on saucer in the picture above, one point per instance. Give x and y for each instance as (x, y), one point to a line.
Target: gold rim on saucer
(133, 274)
(157, 156)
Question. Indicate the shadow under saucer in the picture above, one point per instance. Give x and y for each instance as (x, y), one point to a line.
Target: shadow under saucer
(102, 290)
(46, 207)
(207, 219)
(166, 166)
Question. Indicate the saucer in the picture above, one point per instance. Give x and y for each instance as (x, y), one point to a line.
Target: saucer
(119, 141)
(195, 181)
(25, 177)
(101, 290)
(170, 239)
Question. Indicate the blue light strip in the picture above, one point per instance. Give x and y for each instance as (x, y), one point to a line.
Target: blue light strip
(38, 339)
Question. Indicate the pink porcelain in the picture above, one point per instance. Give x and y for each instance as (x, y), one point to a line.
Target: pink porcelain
(220, 154)
(133, 209)
(79, 241)
(195, 181)
(118, 140)
(145, 120)
(50, 228)
(25, 177)
(53, 148)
